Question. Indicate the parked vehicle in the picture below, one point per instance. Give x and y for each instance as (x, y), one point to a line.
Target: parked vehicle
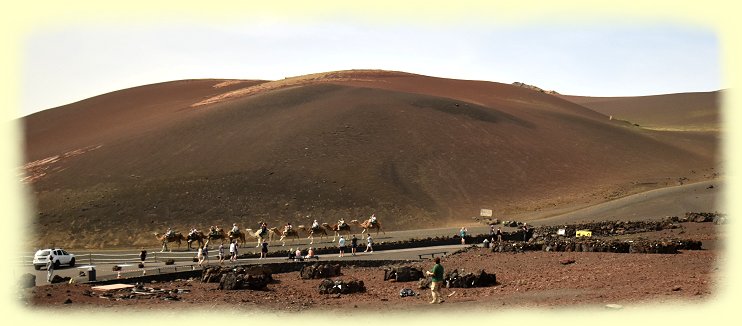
(59, 257)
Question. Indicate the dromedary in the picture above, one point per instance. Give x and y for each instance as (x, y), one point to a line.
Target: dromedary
(321, 230)
(366, 225)
(257, 235)
(218, 235)
(290, 233)
(196, 236)
(240, 236)
(336, 229)
(177, 237)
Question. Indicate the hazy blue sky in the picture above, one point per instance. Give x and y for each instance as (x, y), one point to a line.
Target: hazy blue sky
(68, 64)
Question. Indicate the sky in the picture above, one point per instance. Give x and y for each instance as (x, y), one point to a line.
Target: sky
(66, 64)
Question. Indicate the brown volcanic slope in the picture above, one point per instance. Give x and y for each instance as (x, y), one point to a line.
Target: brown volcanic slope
(684, 111)
(415, 150)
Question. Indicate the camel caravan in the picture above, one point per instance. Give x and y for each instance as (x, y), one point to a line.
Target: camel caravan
(265, 233)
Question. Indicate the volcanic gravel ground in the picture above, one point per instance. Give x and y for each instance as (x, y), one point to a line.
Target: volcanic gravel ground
(530, 279)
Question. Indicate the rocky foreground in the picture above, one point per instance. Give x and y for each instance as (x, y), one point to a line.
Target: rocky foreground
(523, 279)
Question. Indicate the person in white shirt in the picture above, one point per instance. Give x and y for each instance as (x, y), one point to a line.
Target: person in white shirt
(341, 245)
(232, 251)
(369, 244)
(315, 224)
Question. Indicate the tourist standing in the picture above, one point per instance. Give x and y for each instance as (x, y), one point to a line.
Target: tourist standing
(264, 249)
(437, 280)
(221, 253)
(232, 251)
(143, 255)
(462, 234)
(369, 244)
(200, 255)
(499, 235)
(50, 269)
(353, 245)
(341, 246)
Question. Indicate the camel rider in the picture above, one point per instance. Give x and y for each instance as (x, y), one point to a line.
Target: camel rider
(235, 229)
(373, 218)
(192, 232)
(263, 228)
(315, 224)
(212, 230)
(287, 227)
(341, 222)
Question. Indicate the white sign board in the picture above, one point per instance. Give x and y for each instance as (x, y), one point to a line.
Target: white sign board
(561, 232)
(485, 212)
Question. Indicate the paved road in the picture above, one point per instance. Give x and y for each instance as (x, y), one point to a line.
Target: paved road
(660, 202)
(155, 259)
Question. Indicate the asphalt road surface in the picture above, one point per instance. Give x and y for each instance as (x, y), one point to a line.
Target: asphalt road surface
(183, 258)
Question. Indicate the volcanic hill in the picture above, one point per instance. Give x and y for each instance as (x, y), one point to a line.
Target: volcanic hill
(418, 151)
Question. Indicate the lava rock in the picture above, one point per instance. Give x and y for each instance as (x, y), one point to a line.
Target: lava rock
(317, 271)
(403, 274)
(328, 286)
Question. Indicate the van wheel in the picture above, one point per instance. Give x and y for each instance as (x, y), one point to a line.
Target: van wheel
(72, 262)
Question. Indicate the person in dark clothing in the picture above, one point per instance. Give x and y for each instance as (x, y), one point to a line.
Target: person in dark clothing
(353, 245)
(264, 250)
(143, 255)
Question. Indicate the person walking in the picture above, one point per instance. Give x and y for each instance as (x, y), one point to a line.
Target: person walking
(264, 249)
(232, 251)
(341, 246)
(437, 279)
(200, 255)
(50, 269)
(221, 254)
(206, 253)
(369, 244)
(353, 245)
(525, 232)
(143, 255)
(499, 235)
(462, 234)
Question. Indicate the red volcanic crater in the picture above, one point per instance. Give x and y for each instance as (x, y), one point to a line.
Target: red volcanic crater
(417, 151)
